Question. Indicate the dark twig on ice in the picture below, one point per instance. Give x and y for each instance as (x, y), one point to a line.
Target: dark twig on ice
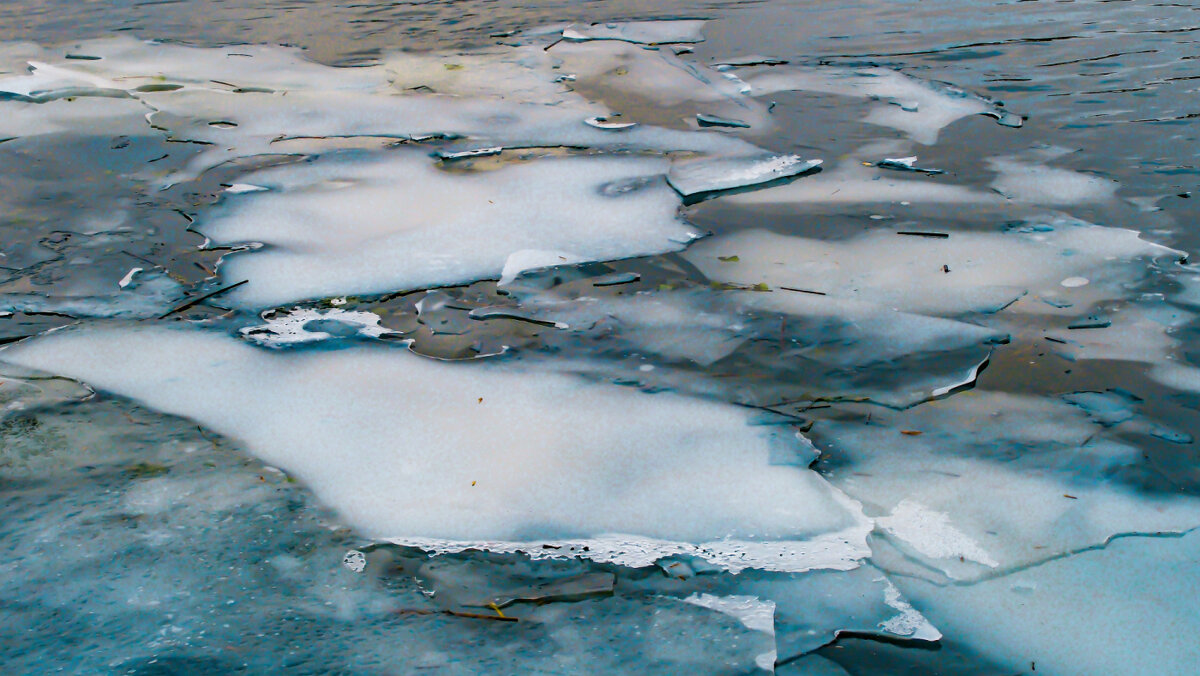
(201, 299)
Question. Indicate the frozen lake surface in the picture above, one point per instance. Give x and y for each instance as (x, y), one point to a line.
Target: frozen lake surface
(725, 338)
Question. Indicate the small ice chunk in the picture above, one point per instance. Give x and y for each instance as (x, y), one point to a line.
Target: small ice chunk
(905, 164)
(1073, 282)
(355, 560)
(907, 273)
(239, 188)
(919, 108)
(128, 278)
(705, 175)
(299, 325)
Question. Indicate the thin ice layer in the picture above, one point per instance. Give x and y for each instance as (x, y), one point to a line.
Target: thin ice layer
(409, 448)
(984, 482)
(1090, 613)
(945, 273)
(919, 108)
(360, 225)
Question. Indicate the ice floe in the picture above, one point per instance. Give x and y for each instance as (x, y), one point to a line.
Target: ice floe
(943, 273)
(405, 447)
(944, 480)
(916, 107)
(373, 225)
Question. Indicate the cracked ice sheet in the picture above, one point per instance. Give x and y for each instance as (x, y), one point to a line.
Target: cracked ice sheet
(414, 449)
(1122, 608)
(906, 272)
(994, 482)
(833, 346)
(275, 93)
(918, 108)
(340, 225)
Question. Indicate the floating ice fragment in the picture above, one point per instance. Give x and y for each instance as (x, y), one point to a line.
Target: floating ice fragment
(1073, 282)
(355, 560)
(705, 120)
(607, 122)
(639, 32)
(705, 175)
(583, 460)
(1107, 408)
(125, 281)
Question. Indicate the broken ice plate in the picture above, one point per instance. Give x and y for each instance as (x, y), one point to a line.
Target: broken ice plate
(707, 175)
(639, 32)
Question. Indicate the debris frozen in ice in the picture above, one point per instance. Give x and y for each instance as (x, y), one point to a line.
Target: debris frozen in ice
(907, 273)
(342, 422)
(639, 32)
(705, 175)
